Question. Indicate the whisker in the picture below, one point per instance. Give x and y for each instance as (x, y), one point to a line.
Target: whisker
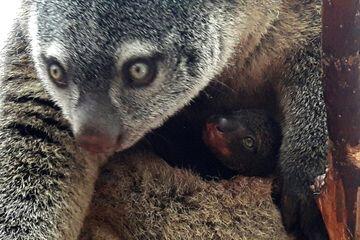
(224, 85)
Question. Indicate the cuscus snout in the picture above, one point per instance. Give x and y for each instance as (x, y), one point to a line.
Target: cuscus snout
(96, 141)
(97, 125)
(223, 124)
(214, 134)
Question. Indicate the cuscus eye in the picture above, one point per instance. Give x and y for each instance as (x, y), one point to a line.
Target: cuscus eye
(249, 143)
(140, 72)
(57, 73)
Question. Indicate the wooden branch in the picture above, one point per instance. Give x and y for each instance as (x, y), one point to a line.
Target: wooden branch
(340, 200)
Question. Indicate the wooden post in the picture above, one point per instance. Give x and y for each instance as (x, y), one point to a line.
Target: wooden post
(340, 199)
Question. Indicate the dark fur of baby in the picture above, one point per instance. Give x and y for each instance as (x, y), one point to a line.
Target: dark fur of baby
(246, 141)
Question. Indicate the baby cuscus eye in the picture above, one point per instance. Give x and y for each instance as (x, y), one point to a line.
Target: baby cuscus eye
(248, 142)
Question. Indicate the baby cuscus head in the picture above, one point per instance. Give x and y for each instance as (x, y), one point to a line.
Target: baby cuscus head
(246, 141)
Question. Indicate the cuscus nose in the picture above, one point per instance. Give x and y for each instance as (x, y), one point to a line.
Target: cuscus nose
(95, 141)
(215, 139)
(224, 125)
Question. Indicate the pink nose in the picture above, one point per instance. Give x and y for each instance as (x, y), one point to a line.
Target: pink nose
(96, 142)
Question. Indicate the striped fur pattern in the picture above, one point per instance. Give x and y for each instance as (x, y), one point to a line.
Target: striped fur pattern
(45, 181)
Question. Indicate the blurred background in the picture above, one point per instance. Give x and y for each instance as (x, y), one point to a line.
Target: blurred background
(7, 13)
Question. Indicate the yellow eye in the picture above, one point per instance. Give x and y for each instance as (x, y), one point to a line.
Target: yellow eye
(140, 73)
(57, 74)
(249, 143)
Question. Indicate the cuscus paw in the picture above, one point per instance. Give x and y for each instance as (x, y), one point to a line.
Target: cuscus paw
(319, 183)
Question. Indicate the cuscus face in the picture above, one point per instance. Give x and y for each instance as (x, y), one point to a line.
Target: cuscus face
(120, 68)
(247, 141)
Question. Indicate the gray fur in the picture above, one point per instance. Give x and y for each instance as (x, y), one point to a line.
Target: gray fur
(44, 178)
(245, 45)
(192, 55)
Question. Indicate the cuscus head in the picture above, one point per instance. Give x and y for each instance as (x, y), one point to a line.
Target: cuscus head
(246, 141)
(118, 69)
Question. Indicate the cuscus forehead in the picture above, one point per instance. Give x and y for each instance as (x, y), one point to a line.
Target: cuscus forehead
(109, 22)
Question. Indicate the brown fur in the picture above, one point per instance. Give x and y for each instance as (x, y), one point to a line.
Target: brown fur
(139, 196)
(263, 52)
